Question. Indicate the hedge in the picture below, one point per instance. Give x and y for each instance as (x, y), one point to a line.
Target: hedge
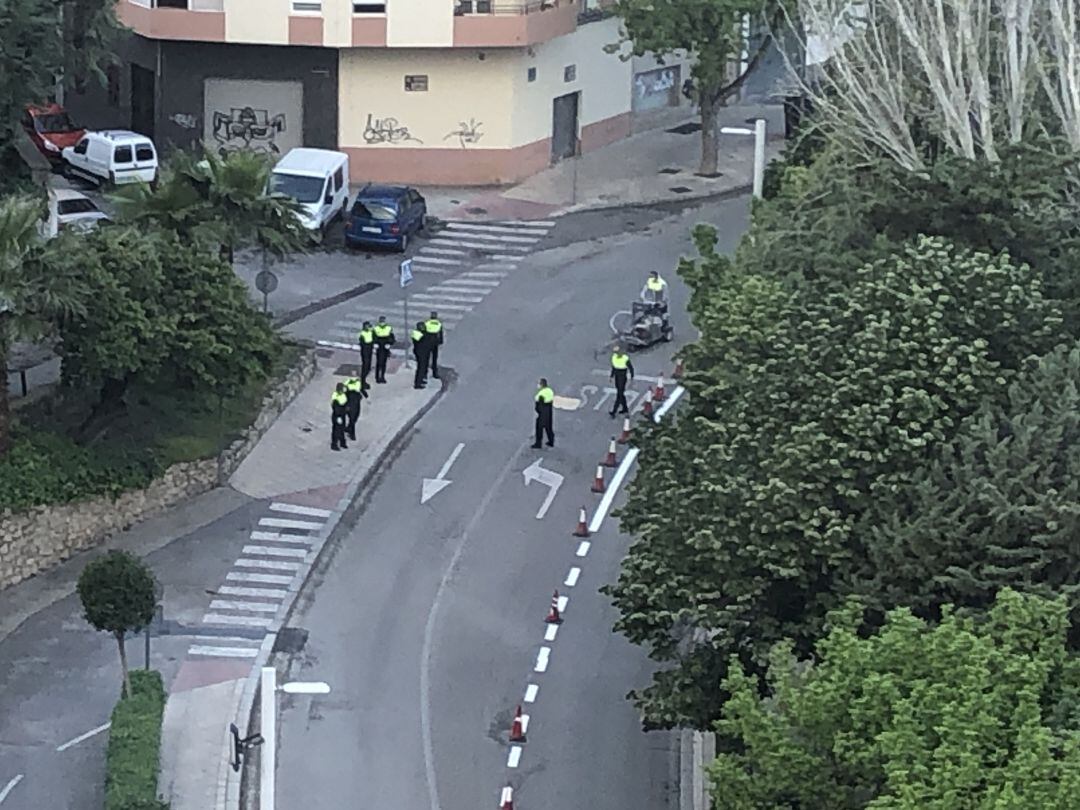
(132, 762)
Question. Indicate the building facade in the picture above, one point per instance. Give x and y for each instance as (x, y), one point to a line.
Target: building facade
(415, 91)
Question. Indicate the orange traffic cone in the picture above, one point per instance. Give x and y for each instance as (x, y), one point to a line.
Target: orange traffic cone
(625, 437)
(598, 482)
(506, 801)
(659, 395)
(553, 616)
(646, 407)
(517, 730)
(678, 368)
(611, 460)
(582, 529)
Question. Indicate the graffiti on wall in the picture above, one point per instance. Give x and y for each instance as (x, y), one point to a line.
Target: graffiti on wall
(246, 128)
(387, 130)
(467, 132)
(656, 82)
(184, 120)
(258, 116)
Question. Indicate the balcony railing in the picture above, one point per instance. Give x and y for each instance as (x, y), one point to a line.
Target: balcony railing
(463, 7)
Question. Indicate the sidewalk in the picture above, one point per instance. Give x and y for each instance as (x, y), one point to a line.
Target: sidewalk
(656, 164)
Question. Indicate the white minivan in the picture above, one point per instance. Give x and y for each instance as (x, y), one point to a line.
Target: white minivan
(115, 156)
(318, 179)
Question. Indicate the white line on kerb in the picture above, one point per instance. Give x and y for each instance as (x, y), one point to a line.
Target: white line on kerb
(542, 659)
(612, 490)
(293, 509)
(80, 738)
(10, 786)
(572, 577)
(530, 693)
(514, 758)
(551, 632)
(671, 400)
(583, 549)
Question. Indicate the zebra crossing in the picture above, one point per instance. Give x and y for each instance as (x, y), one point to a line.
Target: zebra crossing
(258, 584)
(455, 270)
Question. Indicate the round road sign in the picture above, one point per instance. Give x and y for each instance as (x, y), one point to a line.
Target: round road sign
(265, 282)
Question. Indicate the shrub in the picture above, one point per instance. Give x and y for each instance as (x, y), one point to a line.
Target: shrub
(132, 761)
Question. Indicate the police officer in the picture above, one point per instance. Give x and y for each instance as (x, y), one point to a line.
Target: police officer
(620, 367)
(421, 349)
(433, 326)
(354, 392)
(544, 414)
(655, 290)
(384, 339)
(339, 403)
(366, 339)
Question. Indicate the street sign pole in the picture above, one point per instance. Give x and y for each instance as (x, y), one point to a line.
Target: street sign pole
(406, 278)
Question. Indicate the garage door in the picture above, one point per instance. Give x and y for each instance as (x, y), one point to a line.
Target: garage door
(260, 116)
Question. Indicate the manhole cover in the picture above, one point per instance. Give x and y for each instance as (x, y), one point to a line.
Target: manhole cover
(349, 370)
(681, 189)
(476, 210)
(689, 128)
(290, 640)
(669, 171)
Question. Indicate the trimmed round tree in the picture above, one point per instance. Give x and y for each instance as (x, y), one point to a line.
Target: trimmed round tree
(117, 594)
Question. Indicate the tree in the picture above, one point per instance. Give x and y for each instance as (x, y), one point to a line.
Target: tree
(710, 31)
(964, 715)
(805, 403)
(33, 294)
(117, 592)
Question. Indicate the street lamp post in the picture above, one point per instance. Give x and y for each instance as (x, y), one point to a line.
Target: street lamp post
(268, 711)
(759, 150)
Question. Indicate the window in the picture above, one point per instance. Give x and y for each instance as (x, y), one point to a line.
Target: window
(122, 154)
(144, 152)
(300, 188)
(339, 178)
(532, 74)
(569, 73)
(416, 84)
(54, 122)
(75, 206)
(378, 210)
(307, 6)
(80, 147)
(172, 3)
(369, 8)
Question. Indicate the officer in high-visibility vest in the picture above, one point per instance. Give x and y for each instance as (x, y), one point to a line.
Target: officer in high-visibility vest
(544, 414)
(620, 368)
(421, 343)
(433, 326)
(384, 339)
(655, 290)
(339, 404)
(366, 339)
(354, 391)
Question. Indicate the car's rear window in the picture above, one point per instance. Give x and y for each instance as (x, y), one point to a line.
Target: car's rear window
(54, 122)
(381, 210)
(122, 154)
(76, 207)
(144, 151)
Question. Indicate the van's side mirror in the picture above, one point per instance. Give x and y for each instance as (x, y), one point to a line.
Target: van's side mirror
(329, 198)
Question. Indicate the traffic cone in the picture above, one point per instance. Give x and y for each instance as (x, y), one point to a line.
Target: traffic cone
(517, 730)
(625, 437)
(506, 801)
(582, 529)
(553, 616)
(598, 482)
(610, 460)
(659, 395)
(646, 407)
(678, 368)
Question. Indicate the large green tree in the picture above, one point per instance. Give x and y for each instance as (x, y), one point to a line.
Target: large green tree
(805, 403)
(964, 715)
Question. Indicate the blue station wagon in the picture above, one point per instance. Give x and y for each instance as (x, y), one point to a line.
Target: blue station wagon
(385, 215)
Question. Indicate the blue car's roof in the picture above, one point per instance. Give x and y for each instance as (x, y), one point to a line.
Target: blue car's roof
(379, 192)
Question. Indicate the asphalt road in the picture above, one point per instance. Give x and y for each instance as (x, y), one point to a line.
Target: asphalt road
(427, 620)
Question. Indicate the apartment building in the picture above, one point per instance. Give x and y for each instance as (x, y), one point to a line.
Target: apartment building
(449, 92)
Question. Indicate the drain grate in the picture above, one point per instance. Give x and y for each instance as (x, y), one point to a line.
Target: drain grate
(669, 171)
(689, 128)
(681, 189)
(290, 640)
(476, 210)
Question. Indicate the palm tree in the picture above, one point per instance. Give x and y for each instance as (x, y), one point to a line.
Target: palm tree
(33, 294)
(221, 201)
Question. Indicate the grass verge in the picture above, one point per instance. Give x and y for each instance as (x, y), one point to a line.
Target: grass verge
(134, 752)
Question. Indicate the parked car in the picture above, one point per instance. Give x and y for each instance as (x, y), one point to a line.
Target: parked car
(318, 179)
(51, 130)
(385, 215)
(115, 156)
(76, 211)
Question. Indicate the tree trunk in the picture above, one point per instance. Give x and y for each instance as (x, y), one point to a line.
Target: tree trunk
(5, 404)
(710, 136)
(124, 663)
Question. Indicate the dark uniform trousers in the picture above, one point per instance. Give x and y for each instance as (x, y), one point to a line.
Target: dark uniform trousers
(352, 412)
(365, 361)
(544, 420)
(421, 351)
(620, 375)
(382, 353)
(338, 418)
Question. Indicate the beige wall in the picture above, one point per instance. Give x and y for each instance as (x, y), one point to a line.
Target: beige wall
(264, 22)
(603, 80)
(337, 23)
(461, 89)
(419, 23)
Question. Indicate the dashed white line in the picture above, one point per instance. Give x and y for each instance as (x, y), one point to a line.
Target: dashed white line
(572, 577)
(243, 621)
(529, 223)
(514, 757)
(265, 579)
(542, 658)
(278, 537)
(563, 602)
(471, 282)
(92, 732)
(442, 297)
(551, 632)
(438, 299)
(524, 723)
(500, 238)
(10, 786)
(293, 509)
(583, 548)
(612, 489)
(223, 652)
(506, 797)
(248, 607)
(285, 523)
(273, 565)
(669, 404)
(472, 226)
(435, 260)
(258, 593)
(505, 257)
(270, 551)
(479, 274)
(443, 251)
(531, 691)
(481, 245)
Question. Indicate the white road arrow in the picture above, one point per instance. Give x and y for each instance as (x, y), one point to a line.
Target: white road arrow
(433, 486)
(534, 472)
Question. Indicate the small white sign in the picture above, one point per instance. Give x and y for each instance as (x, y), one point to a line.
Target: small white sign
(406, 273)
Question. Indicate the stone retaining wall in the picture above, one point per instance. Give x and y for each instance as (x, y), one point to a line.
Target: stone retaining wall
(38, 538)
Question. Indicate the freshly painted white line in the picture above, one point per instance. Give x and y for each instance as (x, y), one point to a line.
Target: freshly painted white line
(273, 565)
(563, 602)
(480, 245)
(278, 537)
(422, 259)
(293, 509)
(550, 633)
(472, 282)
(524, 723)
(245, 621)
(10, 786)
(243, 641)
(542, 659)
(505, 258)
(443, 251)
(506, 798)
(498, 266)
(265, 579)
(258, 593)
(572, 577)
(583, 549)
(613, 488)
(437, 299)
(271, 551)
(423, 268)
(514, 758)
(477, 274)
(531, 691)
(92, 732)
(472, 226)
(498, 237)
(669, 403)
(286, 523)
(223, 652)
(599, 372)
(248, 607)
(444, 316)
(456, 287)
(442, 297)
(356, 324)
(529, 223)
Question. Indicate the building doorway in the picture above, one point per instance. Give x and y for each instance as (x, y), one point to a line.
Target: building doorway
(142, 101)
(564, 127)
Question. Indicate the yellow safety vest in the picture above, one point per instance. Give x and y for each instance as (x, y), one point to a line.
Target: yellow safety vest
(433, 326)
(337, 398)
(619, 362)
(353, 384)
(383, 330)
(655, 284)
(366, 336)
(545, 395)
(416, 334)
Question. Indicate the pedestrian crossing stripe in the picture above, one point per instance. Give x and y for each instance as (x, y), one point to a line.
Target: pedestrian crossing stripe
(455, 299)
(435, 260)
(489, 237)
(479, 245)
(523, 228)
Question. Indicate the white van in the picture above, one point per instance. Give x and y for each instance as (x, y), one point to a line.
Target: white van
(115, 156)
(318, 179)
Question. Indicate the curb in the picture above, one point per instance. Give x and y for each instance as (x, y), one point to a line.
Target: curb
(708, 196)
(229, 785)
